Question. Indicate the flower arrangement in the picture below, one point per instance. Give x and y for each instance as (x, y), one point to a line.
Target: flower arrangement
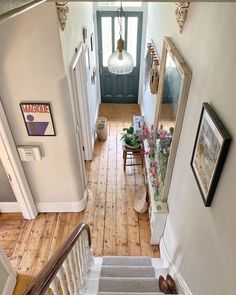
(165, 139)
(149, 135)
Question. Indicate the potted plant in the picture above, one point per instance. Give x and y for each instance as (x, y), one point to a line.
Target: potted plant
(130, 139)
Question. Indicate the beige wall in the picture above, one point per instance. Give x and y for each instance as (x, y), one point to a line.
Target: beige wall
(202, 241)
(31, 69)
(80, 15)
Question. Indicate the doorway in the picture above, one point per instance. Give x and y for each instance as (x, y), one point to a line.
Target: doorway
(119, 88)
(20, 195)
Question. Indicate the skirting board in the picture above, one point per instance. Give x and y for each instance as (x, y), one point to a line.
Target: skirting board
(180, 282)
(9, 207)
(64, 206)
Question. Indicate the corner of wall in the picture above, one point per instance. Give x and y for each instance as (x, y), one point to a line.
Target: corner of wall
(174, 272)
(64, 206)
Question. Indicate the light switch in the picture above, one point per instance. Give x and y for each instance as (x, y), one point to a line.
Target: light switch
(29, 153)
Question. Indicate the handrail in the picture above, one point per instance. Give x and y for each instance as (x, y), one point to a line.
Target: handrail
(42, 281)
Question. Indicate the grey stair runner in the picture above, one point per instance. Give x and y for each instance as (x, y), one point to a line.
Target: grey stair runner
(127, 260)
(127, 271)
(123, 275)
(128, 285)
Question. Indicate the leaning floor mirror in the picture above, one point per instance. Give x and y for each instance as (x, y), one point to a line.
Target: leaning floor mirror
(175, 78)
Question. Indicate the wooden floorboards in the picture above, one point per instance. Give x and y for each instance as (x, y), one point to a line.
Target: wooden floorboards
(116, 228)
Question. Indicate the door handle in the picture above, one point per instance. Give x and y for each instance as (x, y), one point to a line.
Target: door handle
(9, 177)
(100, 70)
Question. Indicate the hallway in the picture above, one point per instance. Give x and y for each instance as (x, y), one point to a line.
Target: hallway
(116, 228)
(110, 212)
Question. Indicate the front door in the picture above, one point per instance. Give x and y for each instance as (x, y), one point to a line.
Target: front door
(119, 88)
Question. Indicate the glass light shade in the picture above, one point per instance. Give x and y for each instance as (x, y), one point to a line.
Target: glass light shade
(120, 63)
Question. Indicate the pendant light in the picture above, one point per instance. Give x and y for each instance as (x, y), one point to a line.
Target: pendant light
(120, 62)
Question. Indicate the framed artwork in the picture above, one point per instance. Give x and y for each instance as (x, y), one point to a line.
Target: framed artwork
(209, 152)
(38, 119)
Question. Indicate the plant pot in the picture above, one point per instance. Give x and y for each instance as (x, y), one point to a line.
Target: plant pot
(133, 146)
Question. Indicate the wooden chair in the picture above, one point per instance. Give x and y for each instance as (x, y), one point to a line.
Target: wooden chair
(131, 154)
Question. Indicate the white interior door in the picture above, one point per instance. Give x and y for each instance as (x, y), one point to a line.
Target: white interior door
(79, 79)
(14, 171)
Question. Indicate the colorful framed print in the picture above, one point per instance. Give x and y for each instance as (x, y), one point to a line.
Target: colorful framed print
(38, 119)
(210, 150)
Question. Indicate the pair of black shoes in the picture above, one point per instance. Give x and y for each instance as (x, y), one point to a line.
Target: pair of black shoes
(167, 286)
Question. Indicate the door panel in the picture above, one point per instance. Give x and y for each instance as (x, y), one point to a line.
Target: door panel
(119, 88)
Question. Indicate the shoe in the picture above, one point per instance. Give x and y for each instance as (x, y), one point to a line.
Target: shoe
(171, 284)
(163, 286)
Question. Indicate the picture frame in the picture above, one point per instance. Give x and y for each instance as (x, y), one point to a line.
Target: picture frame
(38, 119)
(209, 153)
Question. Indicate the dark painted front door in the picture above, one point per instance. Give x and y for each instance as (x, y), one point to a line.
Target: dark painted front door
(119, 88)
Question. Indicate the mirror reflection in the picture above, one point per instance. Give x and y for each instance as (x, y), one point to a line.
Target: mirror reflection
(175, 78)
(169, 105)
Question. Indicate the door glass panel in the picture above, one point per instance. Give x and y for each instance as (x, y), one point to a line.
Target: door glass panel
(117, 30)
(106, 39)
(132, 37)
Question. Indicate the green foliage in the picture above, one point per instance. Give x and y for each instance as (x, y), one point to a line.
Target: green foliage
(129, 137)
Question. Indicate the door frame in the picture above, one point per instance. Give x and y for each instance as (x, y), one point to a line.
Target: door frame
(10, 282)
(143, 8)
(14, 170)
(80, 104)
(135, 74)
(76, 117)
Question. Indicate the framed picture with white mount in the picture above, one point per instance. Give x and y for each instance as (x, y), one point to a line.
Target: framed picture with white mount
(209, 153)
(38, 119)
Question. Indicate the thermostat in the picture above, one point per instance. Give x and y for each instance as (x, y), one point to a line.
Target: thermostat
(29, 153)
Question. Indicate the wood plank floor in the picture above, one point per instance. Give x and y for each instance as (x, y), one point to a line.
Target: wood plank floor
(116, 228)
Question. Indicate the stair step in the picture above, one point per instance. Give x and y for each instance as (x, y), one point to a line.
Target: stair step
(128, 293)
(127, 260)
(144, 285)
(127, 271)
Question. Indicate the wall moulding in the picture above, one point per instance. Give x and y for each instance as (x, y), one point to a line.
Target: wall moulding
(181, 13)
(62, 11)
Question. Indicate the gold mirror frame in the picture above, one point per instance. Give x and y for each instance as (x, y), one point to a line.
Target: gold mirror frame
(185, 73)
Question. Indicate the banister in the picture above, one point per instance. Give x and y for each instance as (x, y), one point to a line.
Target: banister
(42, 281)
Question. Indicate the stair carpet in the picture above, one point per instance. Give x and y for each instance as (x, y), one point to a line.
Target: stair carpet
(125, 275)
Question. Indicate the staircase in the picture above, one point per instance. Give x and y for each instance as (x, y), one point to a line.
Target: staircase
(124, 275)
(72, 270)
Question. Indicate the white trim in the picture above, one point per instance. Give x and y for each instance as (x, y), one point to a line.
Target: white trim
(142, 54)
(64, 206)
(80, 101)
(165, 256)
(9, 207)
(96, 116)
(14, 170)
(11, 280)
(96, 54)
